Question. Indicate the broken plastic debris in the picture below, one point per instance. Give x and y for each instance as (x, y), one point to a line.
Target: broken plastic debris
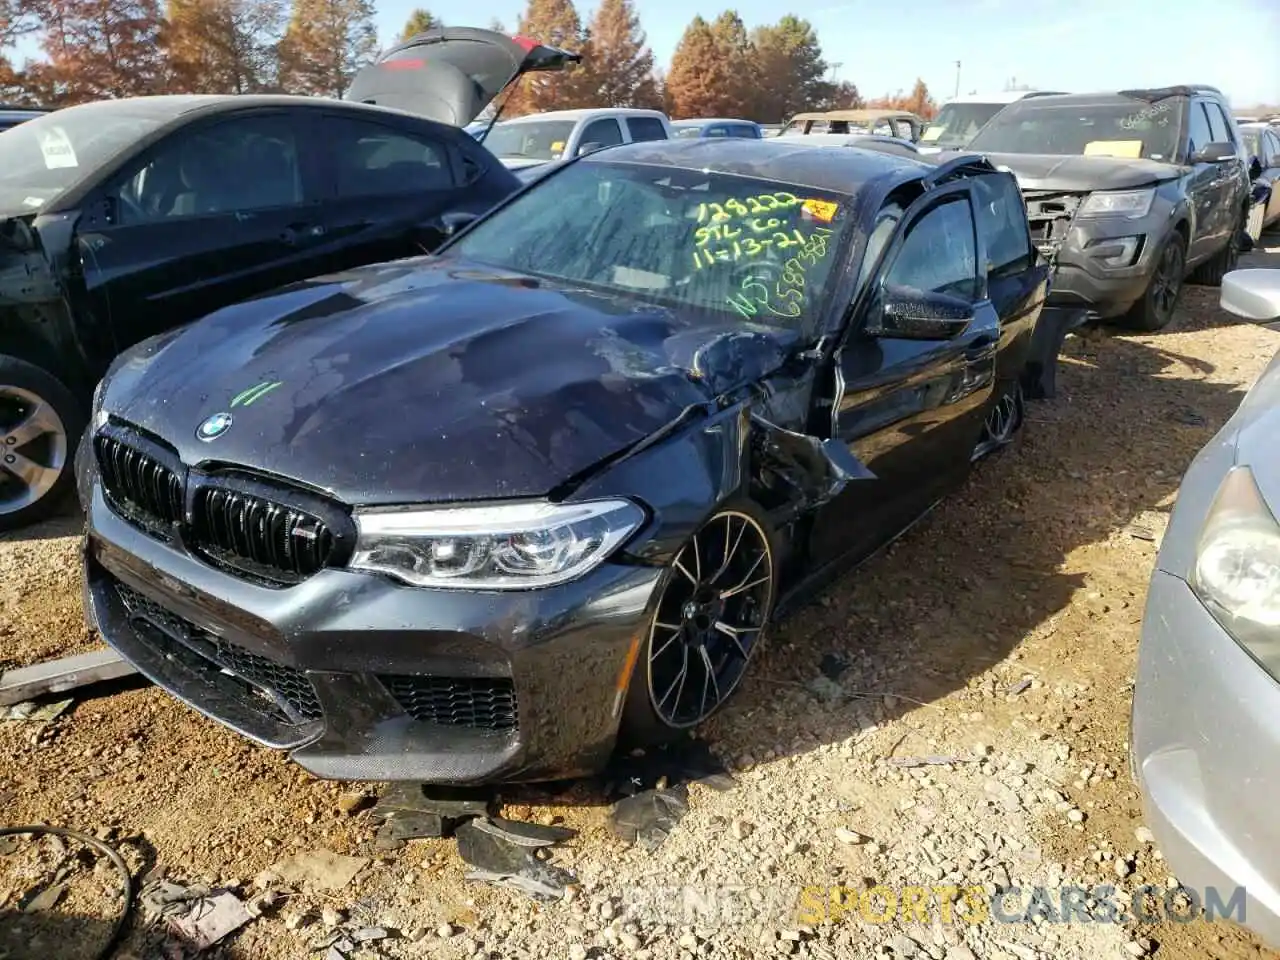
(934, 761)
(317, 869)
(46, 899)
(523, 834)
(35, 712)
(647, 818)
(210, 920)
(500, 860)
(408, 811)
(1018, 687)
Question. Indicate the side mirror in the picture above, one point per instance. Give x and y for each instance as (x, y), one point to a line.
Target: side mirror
(591, 147)
(1255, 168)
(1215, 153)
(457, 220)
(1253, 294)
(907, 314)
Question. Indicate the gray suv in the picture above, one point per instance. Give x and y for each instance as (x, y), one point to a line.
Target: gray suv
(1128, 194)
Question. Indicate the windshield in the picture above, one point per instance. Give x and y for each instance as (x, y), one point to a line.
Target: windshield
(757, 249)
(956, 123)
(534, 140)
(48, 155)
(1131, 130)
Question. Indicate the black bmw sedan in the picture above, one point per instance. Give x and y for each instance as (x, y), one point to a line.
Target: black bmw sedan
(479, 515)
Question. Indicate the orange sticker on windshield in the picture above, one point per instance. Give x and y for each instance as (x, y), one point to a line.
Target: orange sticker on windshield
(823, 210)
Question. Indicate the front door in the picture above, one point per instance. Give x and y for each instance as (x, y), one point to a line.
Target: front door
(209, 216)
(912, 410)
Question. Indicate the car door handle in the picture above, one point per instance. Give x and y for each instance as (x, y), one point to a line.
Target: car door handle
(297, 232)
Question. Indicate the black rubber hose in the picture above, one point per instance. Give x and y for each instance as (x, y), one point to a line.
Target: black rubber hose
(110, 853)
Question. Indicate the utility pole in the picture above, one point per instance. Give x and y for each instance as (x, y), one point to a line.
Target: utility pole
(957, 78)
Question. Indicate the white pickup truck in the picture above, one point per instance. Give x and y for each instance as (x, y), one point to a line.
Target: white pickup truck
(541, 138)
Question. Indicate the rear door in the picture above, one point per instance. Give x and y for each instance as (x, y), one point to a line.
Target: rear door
(598, 134)
(646, 128)
(386, 185)
(911, 410)
(216, 212)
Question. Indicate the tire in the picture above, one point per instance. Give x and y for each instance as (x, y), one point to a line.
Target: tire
(1159, 301)
(1004, 420)
(680, 621)
(40, 424)
(1211, 272)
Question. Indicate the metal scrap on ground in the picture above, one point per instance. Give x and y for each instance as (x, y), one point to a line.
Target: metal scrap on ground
(58, 676)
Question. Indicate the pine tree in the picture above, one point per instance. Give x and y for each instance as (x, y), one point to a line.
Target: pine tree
(789, 70)
(326, 43)
(617, 58)
(222, 46)
(420, 21)
(100, 49)
(555, 23)
(707, 70)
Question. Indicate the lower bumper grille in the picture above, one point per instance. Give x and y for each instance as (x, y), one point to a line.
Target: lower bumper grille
(481, 703)
(280, 692)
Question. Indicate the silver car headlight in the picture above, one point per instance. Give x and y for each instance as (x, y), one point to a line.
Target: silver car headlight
(1131, 204)
(510, 546)
(1237, 569)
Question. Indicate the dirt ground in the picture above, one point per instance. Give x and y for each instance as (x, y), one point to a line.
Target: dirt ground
(1036, 571)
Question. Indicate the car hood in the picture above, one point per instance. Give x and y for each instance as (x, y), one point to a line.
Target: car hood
(433, 380)
(1049, 172)
(450, 74)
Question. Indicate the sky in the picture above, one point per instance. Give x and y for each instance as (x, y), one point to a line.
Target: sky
(1069, 45)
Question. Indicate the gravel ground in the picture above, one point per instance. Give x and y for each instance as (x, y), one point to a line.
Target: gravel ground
(1035, 572)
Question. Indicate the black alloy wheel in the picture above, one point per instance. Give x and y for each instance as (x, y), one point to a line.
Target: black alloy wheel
(708, 623)
(1156, 308)
(1003, 421)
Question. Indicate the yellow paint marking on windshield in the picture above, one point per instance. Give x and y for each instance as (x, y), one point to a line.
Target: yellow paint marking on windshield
(1125, 149)
(557, 147)
(931, 133)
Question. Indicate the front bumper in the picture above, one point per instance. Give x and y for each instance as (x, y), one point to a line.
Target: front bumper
(1205, 741)
(365, 679)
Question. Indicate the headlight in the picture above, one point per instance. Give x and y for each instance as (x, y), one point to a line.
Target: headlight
(1132, 204)
(1237, 570)
(514, 546)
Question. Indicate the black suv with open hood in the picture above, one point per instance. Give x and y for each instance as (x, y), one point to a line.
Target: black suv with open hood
(1127, 193)
(124, 218)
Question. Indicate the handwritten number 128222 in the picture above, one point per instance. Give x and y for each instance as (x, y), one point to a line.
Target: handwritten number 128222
(746, 207)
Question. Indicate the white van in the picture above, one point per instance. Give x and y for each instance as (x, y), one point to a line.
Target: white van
(960, 119)
(560, 134)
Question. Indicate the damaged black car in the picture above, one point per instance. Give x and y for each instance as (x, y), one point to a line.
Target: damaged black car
(482, 515)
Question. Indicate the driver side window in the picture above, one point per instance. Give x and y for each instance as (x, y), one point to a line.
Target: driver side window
(939, 253)
(236, 166)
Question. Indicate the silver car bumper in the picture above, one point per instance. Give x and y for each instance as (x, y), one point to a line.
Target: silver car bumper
(1205, 743)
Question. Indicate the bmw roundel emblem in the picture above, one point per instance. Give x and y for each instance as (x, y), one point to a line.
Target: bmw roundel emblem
(214, 427)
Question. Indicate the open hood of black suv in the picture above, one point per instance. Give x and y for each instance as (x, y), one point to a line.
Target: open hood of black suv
(450, 74)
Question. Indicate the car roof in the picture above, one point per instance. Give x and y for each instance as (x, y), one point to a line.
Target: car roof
(585, 113)
(1003, 96)
(856, 115)
(170, 107)
(703, 121)
(779, 159)
(1101, 98)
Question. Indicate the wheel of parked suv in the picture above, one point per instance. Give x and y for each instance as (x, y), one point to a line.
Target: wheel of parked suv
(1211, 272)
(1004, 420)
(40, 423)
(1155, 309)
(711, 616)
